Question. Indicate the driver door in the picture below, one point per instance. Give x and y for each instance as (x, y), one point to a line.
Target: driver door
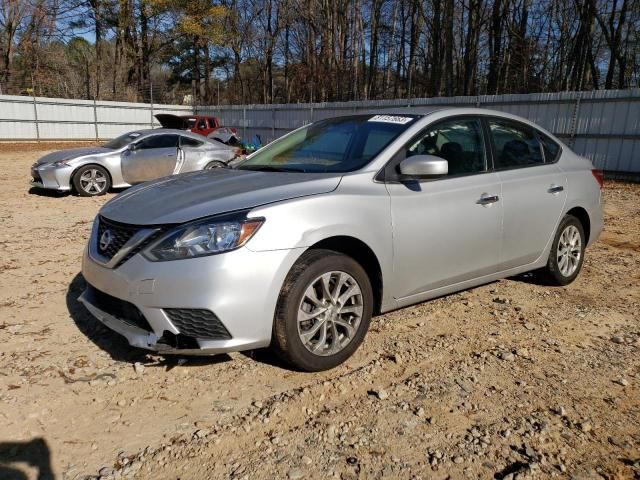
(446, 230)
(152, 157)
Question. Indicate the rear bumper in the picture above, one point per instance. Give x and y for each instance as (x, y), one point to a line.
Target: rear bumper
(596, 219)
(240, 288)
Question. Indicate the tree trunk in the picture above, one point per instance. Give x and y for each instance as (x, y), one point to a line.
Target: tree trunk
(448, 48)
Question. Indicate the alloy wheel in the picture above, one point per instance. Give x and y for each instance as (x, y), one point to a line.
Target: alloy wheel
(330, 313)
(93, 181)
(569, 251)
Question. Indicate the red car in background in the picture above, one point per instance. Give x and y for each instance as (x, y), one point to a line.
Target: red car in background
(205, 125)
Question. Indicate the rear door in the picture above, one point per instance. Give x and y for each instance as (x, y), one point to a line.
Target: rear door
(533, 190)
(447, 230)
(152, 157)
(190, 155)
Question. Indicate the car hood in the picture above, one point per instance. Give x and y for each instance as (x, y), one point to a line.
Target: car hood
(72, 153)
(181, 198)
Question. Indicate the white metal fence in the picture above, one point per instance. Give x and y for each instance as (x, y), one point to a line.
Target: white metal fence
(40, 118)
(602, 125)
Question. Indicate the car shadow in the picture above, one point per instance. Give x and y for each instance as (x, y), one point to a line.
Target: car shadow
(116, 345)
(266, 356)
(531, 278)
(45, 192)
(34, 453)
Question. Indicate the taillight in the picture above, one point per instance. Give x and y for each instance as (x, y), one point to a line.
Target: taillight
(234, 130)
(599, 176)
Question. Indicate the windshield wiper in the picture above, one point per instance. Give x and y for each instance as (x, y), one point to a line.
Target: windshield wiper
(269, 168)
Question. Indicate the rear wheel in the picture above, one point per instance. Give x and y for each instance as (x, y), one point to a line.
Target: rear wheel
(214, 164)
(567, 252)
(91, 180)
(323, 312)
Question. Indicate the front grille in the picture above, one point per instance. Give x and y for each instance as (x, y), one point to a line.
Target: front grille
(121, 309)
(120, 234)
(140, 246)
(198, 323)
(36, 175)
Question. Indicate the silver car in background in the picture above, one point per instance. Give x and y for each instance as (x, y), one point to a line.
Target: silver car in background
(132, 158)
(300, 244)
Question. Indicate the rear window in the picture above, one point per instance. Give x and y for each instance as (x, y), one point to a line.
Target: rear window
(550, 148)
(189, 142)
(516, 145)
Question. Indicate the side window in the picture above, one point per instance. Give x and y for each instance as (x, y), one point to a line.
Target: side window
(212, 123)
(202, 124)
(515, 145)
(550, 148)
(457, 141)
(189, 142)
(158, 141)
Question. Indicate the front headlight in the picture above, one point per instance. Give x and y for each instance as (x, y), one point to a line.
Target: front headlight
(62, 163)
(205, 237)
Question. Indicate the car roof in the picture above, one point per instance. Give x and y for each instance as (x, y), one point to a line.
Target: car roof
(175, 131)
(424, 112)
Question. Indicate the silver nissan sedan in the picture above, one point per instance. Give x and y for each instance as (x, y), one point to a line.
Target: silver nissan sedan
(300, 244)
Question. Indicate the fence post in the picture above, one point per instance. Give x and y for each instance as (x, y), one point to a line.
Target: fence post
(244, 122)
(311, 118)
(574, 120)
(95, 117)
(151, 100)
(273, 123)
(35, 113)
(35, 109)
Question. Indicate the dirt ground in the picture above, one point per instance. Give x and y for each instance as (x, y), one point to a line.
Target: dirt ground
(510, 380)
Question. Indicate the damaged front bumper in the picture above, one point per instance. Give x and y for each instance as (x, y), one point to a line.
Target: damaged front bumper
(168, 343)
(201, 306)
(51, 177)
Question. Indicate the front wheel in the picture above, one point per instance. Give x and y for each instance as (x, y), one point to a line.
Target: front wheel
(91, 180)
(323, 311)
(567, 252)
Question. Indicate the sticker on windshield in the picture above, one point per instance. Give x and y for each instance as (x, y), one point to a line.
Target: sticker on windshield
(391, 119)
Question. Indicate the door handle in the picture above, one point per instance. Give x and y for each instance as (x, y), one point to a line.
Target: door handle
(554, 189)
(486, 199)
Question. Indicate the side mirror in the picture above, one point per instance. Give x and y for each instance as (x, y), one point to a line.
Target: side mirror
(132, 147)
(423, 166)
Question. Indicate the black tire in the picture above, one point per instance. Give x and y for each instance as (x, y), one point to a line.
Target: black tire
(552, 272)
(80, 186)
(214, 164)
(286, 341)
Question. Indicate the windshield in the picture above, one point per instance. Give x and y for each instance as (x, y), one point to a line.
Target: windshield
(122, 141)
(328, 146)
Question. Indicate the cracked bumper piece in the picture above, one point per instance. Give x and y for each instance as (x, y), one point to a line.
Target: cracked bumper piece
(207, 305)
